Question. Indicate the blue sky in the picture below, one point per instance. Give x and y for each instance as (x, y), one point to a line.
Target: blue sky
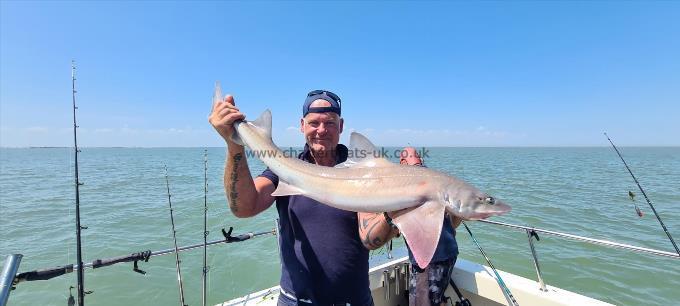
(427, 74)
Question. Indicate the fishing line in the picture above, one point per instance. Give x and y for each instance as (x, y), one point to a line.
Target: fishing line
(645, 195)
(500, 281)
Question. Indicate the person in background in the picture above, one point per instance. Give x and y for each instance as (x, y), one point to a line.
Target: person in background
(427, 286)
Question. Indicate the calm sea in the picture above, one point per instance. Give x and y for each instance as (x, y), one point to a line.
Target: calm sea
(583, 191)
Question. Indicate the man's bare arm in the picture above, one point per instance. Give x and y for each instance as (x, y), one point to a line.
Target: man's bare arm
(374, 230)
(247, 197)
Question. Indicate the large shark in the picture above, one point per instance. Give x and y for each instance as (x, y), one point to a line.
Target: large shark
(370, 183)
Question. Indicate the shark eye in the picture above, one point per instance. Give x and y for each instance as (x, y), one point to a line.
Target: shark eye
(490, 200)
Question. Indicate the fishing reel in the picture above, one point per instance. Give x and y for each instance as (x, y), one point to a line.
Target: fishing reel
(462, 301)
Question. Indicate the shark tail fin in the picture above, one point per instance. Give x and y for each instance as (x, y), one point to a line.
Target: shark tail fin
(217, 95)
(421, 228)
(217, 98)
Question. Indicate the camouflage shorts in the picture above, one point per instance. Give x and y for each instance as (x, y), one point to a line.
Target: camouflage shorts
(427, 286)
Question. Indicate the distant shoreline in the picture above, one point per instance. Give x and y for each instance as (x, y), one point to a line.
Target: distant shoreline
(430, 147)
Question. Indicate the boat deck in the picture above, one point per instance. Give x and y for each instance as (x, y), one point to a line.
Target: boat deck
(476, 282)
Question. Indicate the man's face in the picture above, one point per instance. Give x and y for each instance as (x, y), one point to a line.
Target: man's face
(321, 130)
(409, 156)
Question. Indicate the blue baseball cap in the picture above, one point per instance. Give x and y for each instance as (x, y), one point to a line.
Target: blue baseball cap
(314, 95)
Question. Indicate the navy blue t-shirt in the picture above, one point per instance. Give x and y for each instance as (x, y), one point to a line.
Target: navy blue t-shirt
(323, 258)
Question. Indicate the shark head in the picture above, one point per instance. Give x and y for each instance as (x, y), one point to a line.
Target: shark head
(472, 204)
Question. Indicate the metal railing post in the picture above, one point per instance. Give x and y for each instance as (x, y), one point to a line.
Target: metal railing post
(9, 271)
(530, 235)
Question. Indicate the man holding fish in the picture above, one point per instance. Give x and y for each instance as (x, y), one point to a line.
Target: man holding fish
(324, 260)
(330, 204)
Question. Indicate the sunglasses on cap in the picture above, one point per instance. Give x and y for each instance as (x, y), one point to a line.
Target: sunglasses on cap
(327, 93)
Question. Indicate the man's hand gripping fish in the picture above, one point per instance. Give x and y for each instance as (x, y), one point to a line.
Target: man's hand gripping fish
(365, 183)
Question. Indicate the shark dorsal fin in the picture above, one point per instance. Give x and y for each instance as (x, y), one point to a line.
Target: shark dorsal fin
(361, 143)
(363, 154)
(264, 123)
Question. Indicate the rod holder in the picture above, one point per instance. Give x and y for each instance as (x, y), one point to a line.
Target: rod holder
(386, 284)
(530, 235)
(406, 269)
(397, 279)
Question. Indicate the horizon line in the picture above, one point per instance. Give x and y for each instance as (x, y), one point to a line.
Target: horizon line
(444, 147)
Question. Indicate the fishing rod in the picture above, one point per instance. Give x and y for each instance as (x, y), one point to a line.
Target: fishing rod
(645, 195)
(498, 276)
(205, 223)
(79, 251)
(49, 273)
(174, 238)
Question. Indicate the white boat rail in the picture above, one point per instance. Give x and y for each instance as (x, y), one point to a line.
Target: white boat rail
(586, 239)
(9, 277)
(532, 232)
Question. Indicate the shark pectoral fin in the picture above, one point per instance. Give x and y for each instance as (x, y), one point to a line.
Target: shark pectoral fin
(421, 228)
(264, 123)
(285, 189)
(347, 164)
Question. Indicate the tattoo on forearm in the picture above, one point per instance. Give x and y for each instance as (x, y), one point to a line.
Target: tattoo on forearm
(233, 195)
(369, 240)
(366, 220)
